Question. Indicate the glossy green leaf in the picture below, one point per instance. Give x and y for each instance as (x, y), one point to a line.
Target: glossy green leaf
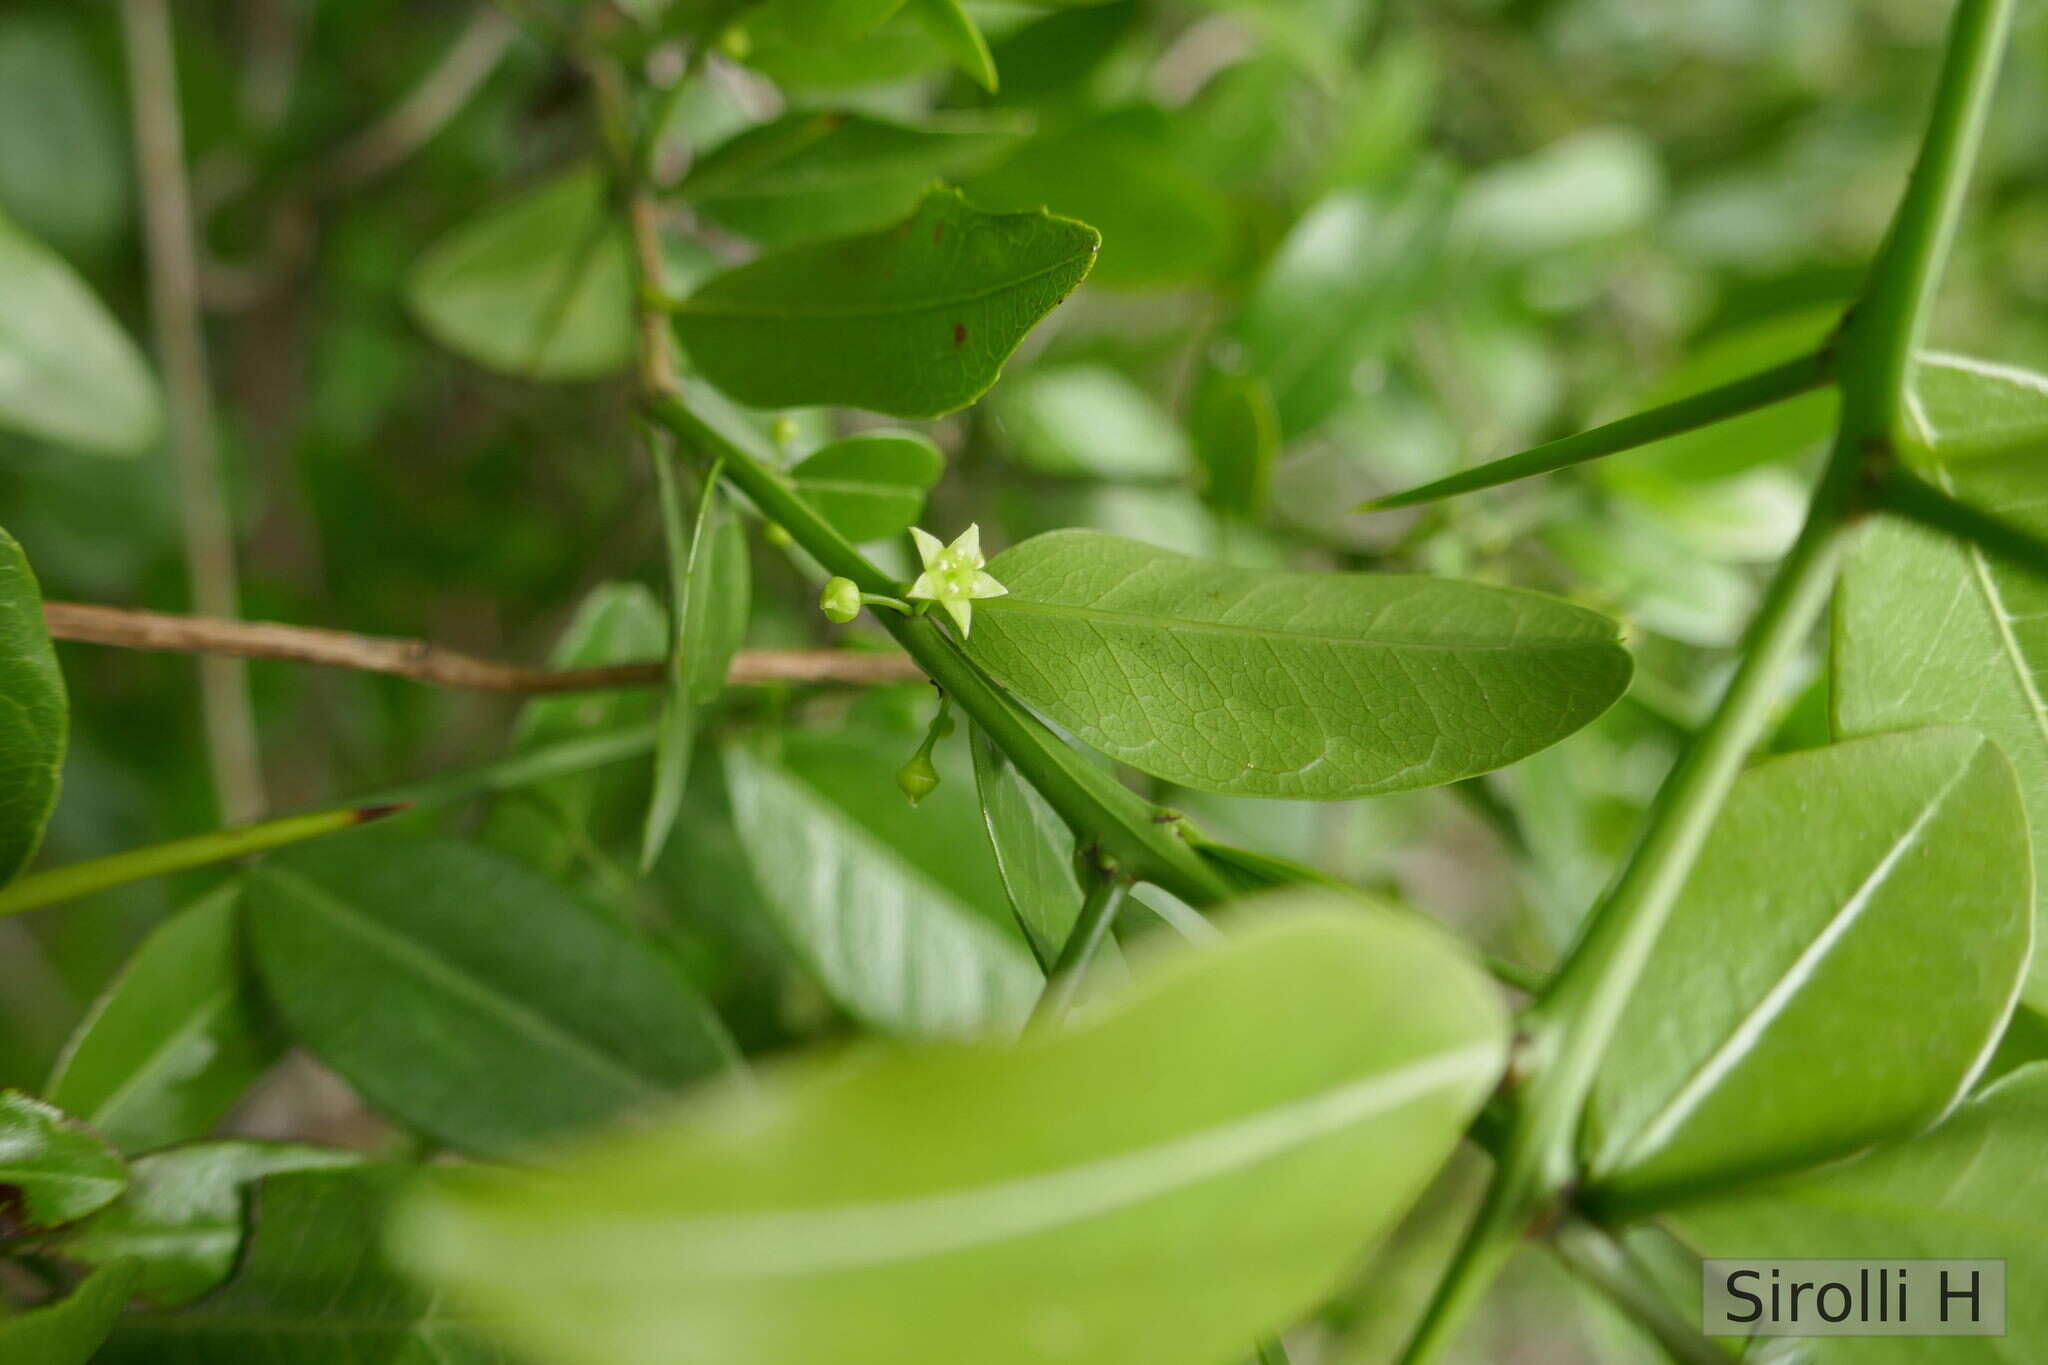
(550, 823)
(539, 286)
(1189, 1166)
(1973, 1187)
(68, 1331)
(1320, 686)
(1089, 421)
(954, 30)
(829, 174)
(177, 1039)
(1236, 432)
(182, 1219)
(68, 373)
(1335, 295)
(1034, 851)
(916, 320)
(858, 885)
(53, 1169)
(708, 596)
(313, 1289)
(1121, 173)
(1866, 910)
(469, 998)
(871, 486)
(34, 719)
(1930, 632)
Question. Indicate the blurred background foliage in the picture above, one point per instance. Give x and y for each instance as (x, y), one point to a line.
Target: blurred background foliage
(1347, 246)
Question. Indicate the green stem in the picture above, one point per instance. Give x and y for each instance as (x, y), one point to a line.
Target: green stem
(1914, 498)
(1131, 831)
(510, 771)
(1091, 927)
(1701, 409)
(1601, 1262)
(1569, 1029)
(179, 855)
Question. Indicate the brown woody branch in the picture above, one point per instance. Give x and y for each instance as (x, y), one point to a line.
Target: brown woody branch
(129, 628)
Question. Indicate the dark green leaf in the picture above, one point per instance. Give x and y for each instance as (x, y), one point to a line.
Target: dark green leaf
(833, 21)
(314, 1289)
(1236, 434)
(53, 1170)
(810, 175)
(871, 486)
(1257, 683)
(953, 29)
(540, 286)
(1866, 912)
(34, 715)
(469, 998)
(1973, 1187)
(182, 1220)
(177, 1038)
(1121, 173)
(69, 1331)
(1192, 1165)
(68, 373)
(916, 320)
(862, 888)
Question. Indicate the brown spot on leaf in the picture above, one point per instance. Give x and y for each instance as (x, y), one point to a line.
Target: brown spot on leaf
(959, 334)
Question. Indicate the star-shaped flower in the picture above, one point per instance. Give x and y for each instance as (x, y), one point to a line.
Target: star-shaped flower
(953, 575)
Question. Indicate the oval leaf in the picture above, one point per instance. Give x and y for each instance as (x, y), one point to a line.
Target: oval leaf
(33, 713)
(851, 874)
(1034, 851)
(1973, 1187)
(871, 486)
(68, 373)
(915, 321)
(469, 998)
(1149, 1185)
(1867, 909)
(1286, 684)
(178, 1037)
(53, 1170)
(540, 286)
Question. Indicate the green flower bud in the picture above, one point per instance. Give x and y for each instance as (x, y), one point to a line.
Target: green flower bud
(918, 778)
(840, 601)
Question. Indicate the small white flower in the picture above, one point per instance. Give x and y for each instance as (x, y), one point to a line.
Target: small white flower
(953, 575)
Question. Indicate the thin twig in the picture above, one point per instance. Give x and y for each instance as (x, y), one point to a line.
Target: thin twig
(427, 107)
(195, 446)
(129, 628)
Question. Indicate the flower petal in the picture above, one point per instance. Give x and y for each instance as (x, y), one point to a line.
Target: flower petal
(968, 546)
(962, 613)
(923, 587)
(928, 545)
(986, 586)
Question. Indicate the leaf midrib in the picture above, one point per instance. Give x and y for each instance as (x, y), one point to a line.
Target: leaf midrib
(755, 311)
(1160, 621)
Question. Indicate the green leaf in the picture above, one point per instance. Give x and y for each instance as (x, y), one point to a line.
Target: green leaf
(53, 1170)
(1122, 173)
(1335, 295)
(708, 596)
(1236, 432)
(1973, 1187)
(68, 373)
(1866, 910)
(63, 154)
(1928, 631)
(915, 321)
(68, 1331)
(539, 286)
(467, 997)
(34, 718)
(1089, 421)
(1963, 408)
(1321, 686)
(1192, 1165)
(182, 1220)
(825, 22)
(861, 889)
(1034, 851)
(871, 486)
(831, 174)
(953, 29)
(177, 1038)
(313, 1289)
(551, 824)
(1594, 184)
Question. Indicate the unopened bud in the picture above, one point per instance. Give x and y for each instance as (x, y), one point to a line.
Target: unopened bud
(918, 778)
(840, 601)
